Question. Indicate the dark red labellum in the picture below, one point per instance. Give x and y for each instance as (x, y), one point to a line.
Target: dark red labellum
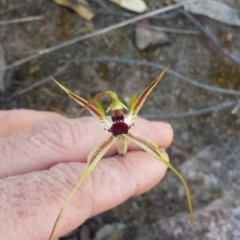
(119, 126)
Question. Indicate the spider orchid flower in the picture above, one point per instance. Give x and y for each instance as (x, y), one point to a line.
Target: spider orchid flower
(119, 128)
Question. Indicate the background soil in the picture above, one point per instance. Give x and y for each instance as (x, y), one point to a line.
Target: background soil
(206, 146)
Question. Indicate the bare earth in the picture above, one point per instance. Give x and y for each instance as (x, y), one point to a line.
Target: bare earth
(206, 146)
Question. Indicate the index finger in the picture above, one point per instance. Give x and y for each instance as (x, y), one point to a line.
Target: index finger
(68, 140)
(12, 121)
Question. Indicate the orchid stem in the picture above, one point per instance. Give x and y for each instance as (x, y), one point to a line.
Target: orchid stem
(85, 173)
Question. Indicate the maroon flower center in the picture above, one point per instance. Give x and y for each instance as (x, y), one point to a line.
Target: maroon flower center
(119, 126)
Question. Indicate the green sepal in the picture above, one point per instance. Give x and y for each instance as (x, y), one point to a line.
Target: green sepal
(132, 103)
(100, 108)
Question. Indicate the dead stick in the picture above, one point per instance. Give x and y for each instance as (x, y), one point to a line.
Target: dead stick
(98, 32)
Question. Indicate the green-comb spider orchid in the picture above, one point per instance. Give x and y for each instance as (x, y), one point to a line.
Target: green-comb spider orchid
(119, 127)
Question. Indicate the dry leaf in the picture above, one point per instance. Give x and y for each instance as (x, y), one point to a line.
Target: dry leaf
(138, 6)
(215, 10)
(79, 6)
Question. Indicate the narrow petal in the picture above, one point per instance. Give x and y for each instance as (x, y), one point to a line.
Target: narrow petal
(122, 145)
(91, 102)
(152, 148)
(132, 103)
(141, 99)
(97, 153)
(93, 158)
(92, 109)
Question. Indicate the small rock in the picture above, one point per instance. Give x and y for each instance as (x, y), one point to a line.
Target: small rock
(145, 38)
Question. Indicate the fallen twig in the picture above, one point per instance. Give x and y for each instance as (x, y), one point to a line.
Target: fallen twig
(192, 113)
(212, 39)
(158, 66)
(138, 63)
(21, 20)
(104, 6)
(36, 84)
(202, 111)
(96, 33)
(169, 30)
(166, 16)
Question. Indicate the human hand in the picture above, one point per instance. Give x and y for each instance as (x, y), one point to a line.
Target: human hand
(42, 157)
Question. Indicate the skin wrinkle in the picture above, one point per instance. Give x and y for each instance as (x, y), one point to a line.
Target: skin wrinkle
(98, 174)
(118, 171)
(31, 204)
(62, 178)
(88, 193)
(42, 136)
(7, 159)
(128, 169)
(83, 130)
(51, 134)
(68, 181)
(70, 173)
(128, 173)
(66, 127)
(91, 191)
(108, 184)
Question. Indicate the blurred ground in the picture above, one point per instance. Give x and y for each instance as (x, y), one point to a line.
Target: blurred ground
(205, 148)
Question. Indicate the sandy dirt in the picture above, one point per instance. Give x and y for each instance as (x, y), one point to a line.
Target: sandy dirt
(206, 146)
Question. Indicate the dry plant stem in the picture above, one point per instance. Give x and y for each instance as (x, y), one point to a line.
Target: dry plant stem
(67, 201)
(202, 111)
(36, 84)
(192, 113)
(160, 67)
(98, 32)
(170, 15)
(169, 30)
(88, 169)
(212, 39)
(104, 6)
(21, 20)
(130, 62)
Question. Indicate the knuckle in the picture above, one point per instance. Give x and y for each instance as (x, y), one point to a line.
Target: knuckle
(58, 135)
(64, 178)
(61, 135)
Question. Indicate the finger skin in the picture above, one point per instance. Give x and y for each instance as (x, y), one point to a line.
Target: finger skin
(12, 121)
(33, 200)
(47, 143)
(30, 202)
